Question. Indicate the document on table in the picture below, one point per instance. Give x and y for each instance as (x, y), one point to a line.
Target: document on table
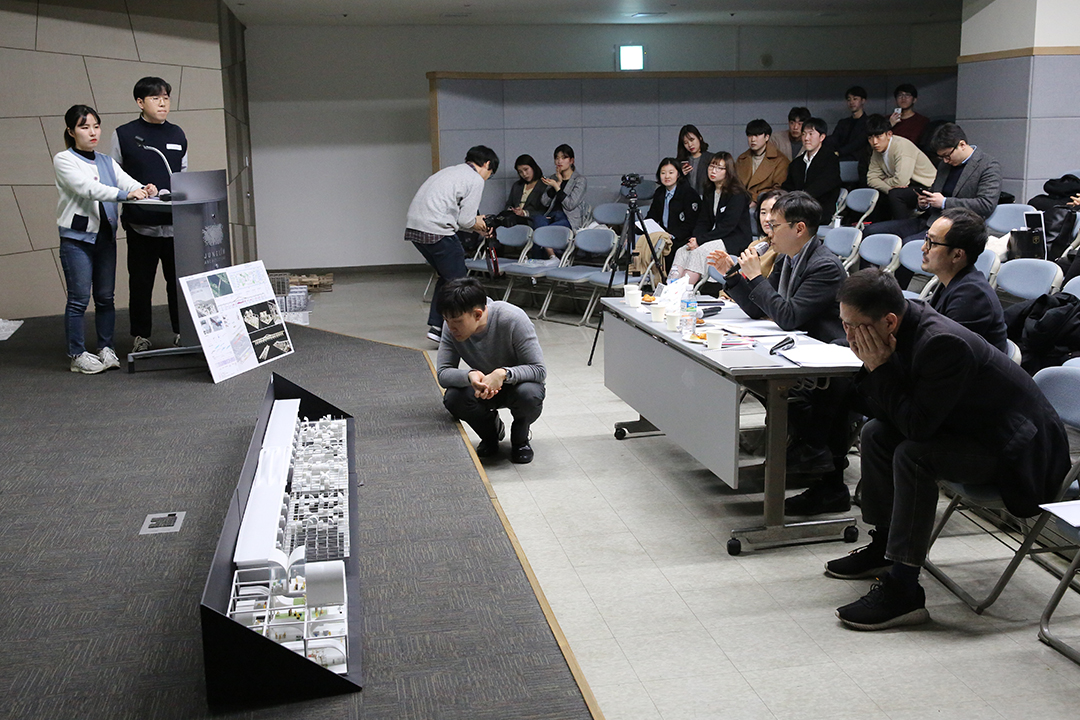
(756, 328)
(822, 355)
(1067, 511)
(745, 358)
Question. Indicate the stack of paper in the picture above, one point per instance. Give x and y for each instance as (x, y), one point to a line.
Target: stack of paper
(822, 355)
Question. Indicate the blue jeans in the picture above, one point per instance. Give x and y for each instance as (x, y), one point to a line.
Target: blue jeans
(89, 268)
(447, 257)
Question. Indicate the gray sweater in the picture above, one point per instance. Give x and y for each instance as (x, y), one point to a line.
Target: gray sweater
(509, 341)
(447, 201)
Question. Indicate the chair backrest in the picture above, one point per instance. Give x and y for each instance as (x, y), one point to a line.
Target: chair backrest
(597, 240)
(849, 171)
(988, 263)
(841, 202)
(911, 258)
(1014, 351)
(1028, 278)
(862, 200)
(515, 236)
(1061, 386)
(1072, 362)
(1072, 287)
(844, 242)
(1007, 218)
(556, 237)
(610, 214)
(882, 250)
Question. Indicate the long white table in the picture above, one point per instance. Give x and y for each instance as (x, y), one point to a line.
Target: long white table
(692, 395)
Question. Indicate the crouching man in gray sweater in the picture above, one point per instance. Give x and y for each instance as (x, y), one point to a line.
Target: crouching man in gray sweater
(504, 366)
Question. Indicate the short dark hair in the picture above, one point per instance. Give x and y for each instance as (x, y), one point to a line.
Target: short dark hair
(877, 124)
(461, 295)
(673, 163)
(856, 91)
(758, 127)
(947, 137)
(480, 154)
(818, 124)
(799, 113)
(874, 293)
(75, 115)
(968, 232)
(906, 88)
(775, 193)
(151, 86)
(800, 206)
(530, 162)
(566, 151)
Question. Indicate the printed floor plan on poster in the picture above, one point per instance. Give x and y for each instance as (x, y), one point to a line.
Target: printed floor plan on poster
(238, 320)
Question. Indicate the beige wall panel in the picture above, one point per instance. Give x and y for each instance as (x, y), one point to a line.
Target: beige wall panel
(202, 90)
(232, 142)
(37, 203)
(18, 24)
(91, 27)
(23, 92)
(30, 285)
(53, 129)
(113, 80)
(13, 237)
(26, 159)
(177, 42)
(205, 130)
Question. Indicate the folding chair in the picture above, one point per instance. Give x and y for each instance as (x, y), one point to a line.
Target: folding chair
(862, 200)
(882, 250)
(844, 243)
(611, 214)
(1014, 351)
(988, 264)
(599, 241)
(599, 279)
(1061, 386)
(1028, 278)
(1072, 535)
(849, 171)
(555, 237)
(911, 259)
(1072, 287)
(1007, 218)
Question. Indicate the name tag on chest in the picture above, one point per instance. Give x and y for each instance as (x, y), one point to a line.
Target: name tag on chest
(173, 146)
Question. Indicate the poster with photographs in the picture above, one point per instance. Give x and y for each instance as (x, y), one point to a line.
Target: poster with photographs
(239, 324)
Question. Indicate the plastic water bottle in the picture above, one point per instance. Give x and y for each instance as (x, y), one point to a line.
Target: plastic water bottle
(688, 313)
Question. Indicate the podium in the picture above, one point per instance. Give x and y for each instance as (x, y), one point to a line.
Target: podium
(200, 207)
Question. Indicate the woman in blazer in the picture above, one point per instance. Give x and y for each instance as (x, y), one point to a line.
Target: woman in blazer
(694, 156)
(723, 223)
(675, 205)
(526, 199)
(90, 184)
(565, 193)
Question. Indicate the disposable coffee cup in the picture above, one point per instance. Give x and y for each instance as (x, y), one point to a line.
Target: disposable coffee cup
(633, 298)
(713, 339)
(672, 320)
(658, 312)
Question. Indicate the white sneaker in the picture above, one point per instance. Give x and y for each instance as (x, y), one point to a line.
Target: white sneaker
(141, 344)
(86, 364)
(108, 358)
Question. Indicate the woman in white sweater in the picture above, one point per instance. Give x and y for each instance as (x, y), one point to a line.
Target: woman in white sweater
(90, 184)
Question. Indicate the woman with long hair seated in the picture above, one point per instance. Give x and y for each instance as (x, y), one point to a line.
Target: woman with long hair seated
(723, 223)
(526, 199)
(674, 205)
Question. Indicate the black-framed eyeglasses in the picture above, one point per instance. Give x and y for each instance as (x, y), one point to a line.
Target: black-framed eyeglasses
(927, 241)
(947, 156)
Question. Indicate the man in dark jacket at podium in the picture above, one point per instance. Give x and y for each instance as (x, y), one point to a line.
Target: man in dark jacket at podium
(150, 231)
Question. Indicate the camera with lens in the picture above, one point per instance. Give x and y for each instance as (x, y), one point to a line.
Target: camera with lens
(631, 180)
(496, 221)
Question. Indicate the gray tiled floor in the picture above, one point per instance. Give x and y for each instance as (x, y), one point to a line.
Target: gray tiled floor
(628, 542)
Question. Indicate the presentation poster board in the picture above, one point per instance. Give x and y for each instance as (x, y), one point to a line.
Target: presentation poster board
(237, 318)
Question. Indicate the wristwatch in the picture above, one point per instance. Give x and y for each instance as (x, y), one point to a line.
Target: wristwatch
(509, 375)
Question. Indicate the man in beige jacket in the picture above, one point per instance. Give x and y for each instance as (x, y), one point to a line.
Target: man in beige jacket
(762, 167)
(897, 167)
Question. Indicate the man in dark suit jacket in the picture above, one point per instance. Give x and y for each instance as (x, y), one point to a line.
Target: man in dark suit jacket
(953, 243)
(945, 404)
(817, 170)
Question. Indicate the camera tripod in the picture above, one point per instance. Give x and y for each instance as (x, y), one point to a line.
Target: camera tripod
(631, 225)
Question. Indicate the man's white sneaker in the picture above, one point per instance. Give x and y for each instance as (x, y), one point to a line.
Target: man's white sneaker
(108, 358)
(86, 364)
(141, 344)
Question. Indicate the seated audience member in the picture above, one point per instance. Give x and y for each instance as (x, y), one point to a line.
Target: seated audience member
(848, 138)
(790, 144)
(898, 168)
(693, 156)
(504, 366)
(944, 405)
(817, 170)
(526, 198)
(952, 246)
(800, 294)
(905, 121)
(723, 223)
(564, 198)
(674, 205)
(766, 201)
(762, 167)
(967, 177)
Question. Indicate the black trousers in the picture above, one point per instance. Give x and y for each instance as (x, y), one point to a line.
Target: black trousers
(525, 400)
(142, 261)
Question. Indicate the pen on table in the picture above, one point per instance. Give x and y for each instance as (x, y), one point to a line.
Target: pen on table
(784, 344)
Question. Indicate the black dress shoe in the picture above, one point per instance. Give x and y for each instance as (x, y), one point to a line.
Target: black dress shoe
(818, 499)
(521, 454)
(489, 446)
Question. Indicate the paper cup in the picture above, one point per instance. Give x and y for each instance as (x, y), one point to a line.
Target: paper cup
(713, 339)
(672, 320)
(658, 312)
(633, 298)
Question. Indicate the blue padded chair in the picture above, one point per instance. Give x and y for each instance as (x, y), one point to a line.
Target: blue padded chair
(600, 278)
(862, 200)
(988, 264)
(555, 237)
(1071, 535)
(849, 171)
(1061, 386)
(598, 241)
(1028, 278)
(518, 237)
(1007, 218)
(1072, 287)
(645, 191)
(844, 242)
(882, 250)
(911, 258)
(1014, 352)
(610, 214)
(1072, 362)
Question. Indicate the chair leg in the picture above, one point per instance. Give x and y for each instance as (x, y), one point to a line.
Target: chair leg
(542, 315)
(509, 287)
(588, 307)
(1044, 622)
